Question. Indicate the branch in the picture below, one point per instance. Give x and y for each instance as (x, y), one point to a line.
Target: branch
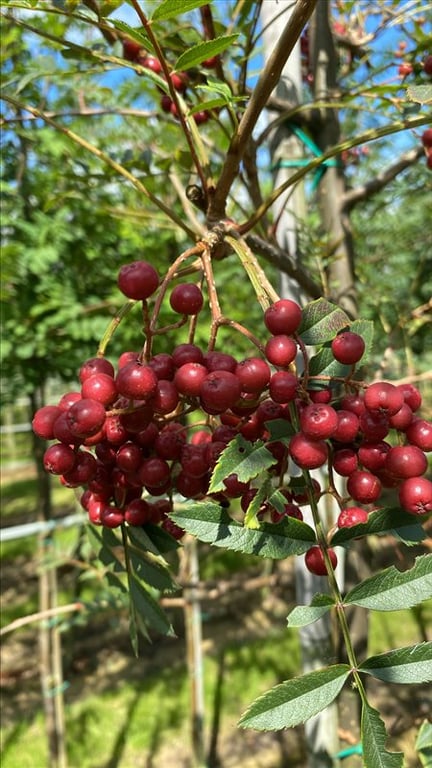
(259, 98)
(285, 263)
(364, 191)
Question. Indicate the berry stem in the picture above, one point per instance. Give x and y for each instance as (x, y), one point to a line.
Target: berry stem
(265, 292)
(113, 325)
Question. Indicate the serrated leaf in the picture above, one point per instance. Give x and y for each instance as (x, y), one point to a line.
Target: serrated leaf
(169, 9)
(422, 94)
(393, 590)
(134, 34)
(321, 321)
(148, 608)
(198, 53)
(374, 738)
(212, 524)
(302, 615)
(424, 736)
(408, 666)
(251, 514)
(152, 572)
(295, 701)
(381, 521)
(243, 458)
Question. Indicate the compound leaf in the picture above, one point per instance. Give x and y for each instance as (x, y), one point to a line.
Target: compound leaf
(243, 458)
(206, 50)
(321, 320)
(374, 737)
(302, 615)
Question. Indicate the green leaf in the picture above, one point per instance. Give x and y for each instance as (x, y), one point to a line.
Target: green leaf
(302, 615)
(251, 514)
(169, 9)
(141, 540)
(280, 430)
(321, 321)
(365, 329)
(393, 590)
(295, 701)
(420, 93)
(404, 665)
(374, 737)
(148, 609)
(243, 458)
(212, 524)
(198, 53)
(135, 34)
(423, 744)
(382, 521)
(161, 539)
(152, 572)
(103, 544)
(324, 364)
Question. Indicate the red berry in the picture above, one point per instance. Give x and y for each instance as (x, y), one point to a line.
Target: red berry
(427, 65)
(180, 81)
(419, 433)
(137, 512)
(281, 350)
(427, 138)
(154, 472)
(348, 348)
(318, 421)
(166, 397)
(83, 470)
(347, 426)
(187, 353)
(412, 396)
(345, 461)
(129, 457)
(351, 516)
(307, 453)
(68, 399)
(353, 403)
(111, 517)
(374, 425)
(283, 317)
(186, 299)
(193, 460)
(220, 390)
(95, 365)
(402, 419)
(131, 49)
(415, 495)
(163, 365)
(201, 117)
(405, 69)
(405, 461)
(44, 419)
(138, 280)
(189, 378)
(253, 374)
(138, 419)
(315, 563)
(100, 387)
(220, 361)
(166, 103)
(59, 458)
(211, 63)
(151, 62)
(373, 454)
(383, 397)
(170, 441)
(363, 486)
(136, 381)
(283, 386)
(320, 395)
(85, 417)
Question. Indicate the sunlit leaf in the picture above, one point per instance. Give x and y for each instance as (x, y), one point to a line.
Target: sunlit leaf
(410, 666)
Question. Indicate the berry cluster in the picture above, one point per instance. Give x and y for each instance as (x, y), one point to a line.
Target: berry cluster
(136, 434)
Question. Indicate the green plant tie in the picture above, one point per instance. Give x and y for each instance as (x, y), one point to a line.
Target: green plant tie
(302, 162)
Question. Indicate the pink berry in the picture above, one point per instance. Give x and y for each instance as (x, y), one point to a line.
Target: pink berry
(307, 453)
(363, 486)
(318, 421)
(384, 397)
(136, 381)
